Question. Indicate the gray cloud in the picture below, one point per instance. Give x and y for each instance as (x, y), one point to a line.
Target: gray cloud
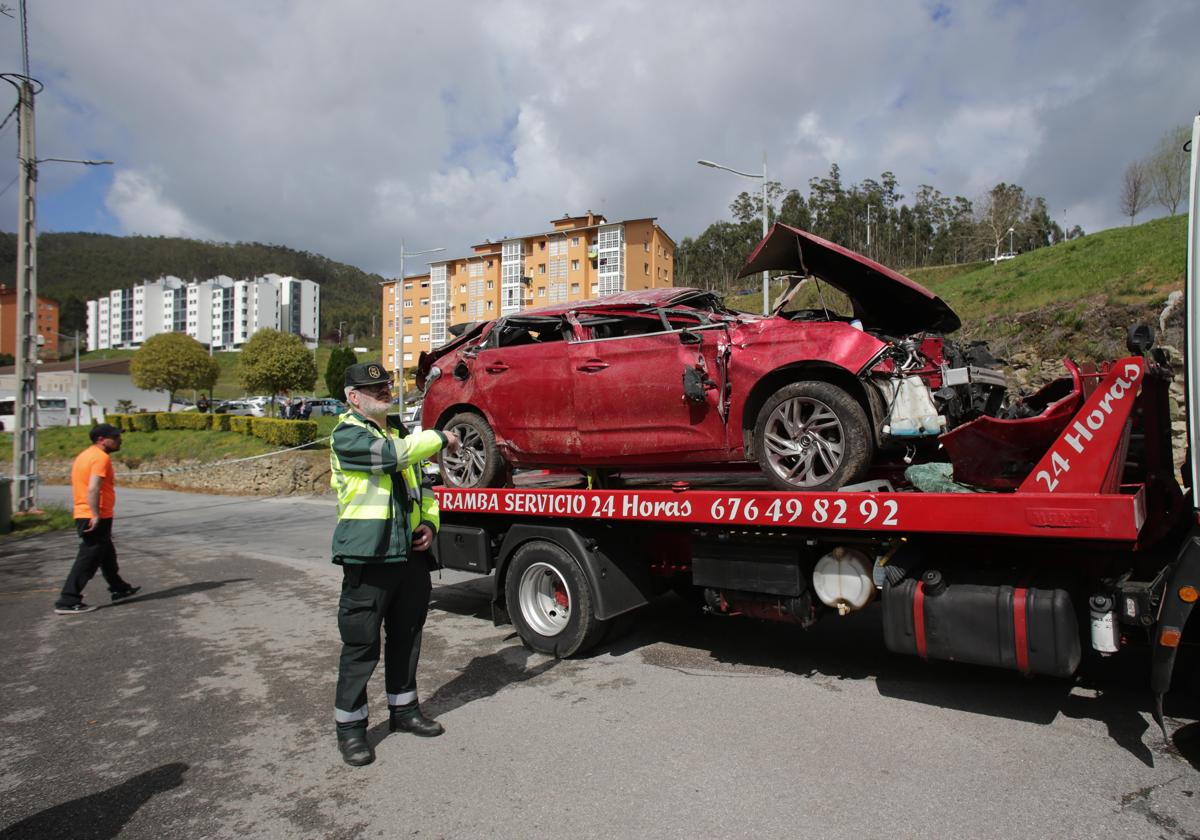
(341, 128)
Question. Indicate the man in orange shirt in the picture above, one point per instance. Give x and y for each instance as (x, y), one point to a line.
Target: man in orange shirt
(95, 499)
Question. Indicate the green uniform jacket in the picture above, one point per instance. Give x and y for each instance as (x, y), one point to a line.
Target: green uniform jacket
(377, 514)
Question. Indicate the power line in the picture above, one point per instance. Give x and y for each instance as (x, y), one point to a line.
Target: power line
(10, 183)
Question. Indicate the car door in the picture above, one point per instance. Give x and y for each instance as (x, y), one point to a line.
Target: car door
(629, 394)
(522, 379)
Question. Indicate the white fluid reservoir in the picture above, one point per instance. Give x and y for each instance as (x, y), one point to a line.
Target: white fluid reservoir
(842, 579)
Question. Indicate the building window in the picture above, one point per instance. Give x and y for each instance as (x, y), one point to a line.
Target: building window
(541, 291)
(424, 319)
(408, 321)
(408, 287)
(391, 342)
(408, 339)
(595, 288)
(391, 307)
(541, 268)
(646, 269)
(646, 247)
(542, 245)
(425, 285)
(574, 288)
(489, 306)
(574, 241)
(462, 307)
(408, 357)
(424, 301)
(424, 338)
(491, 284)
(408, 304)
(462, 288)
(391, 323)
(574, 265)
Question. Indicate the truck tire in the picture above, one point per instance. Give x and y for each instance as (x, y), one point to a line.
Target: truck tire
(812, 436)
(549, 601)
(478, 462)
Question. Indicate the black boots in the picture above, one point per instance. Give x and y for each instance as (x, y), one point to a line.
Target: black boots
(353, 745)
(409, 719)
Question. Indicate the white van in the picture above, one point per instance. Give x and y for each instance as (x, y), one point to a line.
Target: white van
(52, 411)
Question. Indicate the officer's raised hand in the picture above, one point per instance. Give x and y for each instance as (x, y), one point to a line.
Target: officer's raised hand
(452, 442)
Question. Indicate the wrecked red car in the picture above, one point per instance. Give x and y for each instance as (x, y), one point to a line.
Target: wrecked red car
(671, 377)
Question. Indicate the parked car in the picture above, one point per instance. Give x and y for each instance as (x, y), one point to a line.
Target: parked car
(325, 406)
(670, 377)
(241, 408)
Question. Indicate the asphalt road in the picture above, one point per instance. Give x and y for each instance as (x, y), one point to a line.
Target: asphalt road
(203, 709)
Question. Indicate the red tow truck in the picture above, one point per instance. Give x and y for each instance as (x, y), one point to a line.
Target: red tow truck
(1097, 547)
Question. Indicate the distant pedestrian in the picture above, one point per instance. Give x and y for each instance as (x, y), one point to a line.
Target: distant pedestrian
(202, 404)
(285, 409)
(386, 525)
(305, 409)
(95, 497)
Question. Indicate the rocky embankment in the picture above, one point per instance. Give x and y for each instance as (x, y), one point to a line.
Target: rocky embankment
(285, 474)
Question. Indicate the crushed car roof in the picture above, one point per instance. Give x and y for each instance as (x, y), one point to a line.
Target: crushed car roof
(886, 299)
(669, 296)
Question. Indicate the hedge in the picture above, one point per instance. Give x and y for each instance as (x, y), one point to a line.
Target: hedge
(284, 432)
(276, 432)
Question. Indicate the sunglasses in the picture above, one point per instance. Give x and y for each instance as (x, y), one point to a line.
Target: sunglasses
(382, 389)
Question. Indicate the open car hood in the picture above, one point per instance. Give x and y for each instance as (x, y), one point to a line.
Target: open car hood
(883, 299)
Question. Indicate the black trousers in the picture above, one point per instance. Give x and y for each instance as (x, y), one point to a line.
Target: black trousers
(96, 551)
(396, 596)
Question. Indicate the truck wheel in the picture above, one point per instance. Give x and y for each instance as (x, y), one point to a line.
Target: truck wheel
(550, 602)
(478, 462)
(812, 436)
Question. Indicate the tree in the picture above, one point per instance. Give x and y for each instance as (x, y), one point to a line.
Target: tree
(1135, 190)
(1168, 168)
(171, 362)
(335, 370)
(273, 362)
(1000, 210)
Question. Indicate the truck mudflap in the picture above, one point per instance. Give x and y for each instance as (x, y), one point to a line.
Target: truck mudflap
(1179, 596)
(1027, 629)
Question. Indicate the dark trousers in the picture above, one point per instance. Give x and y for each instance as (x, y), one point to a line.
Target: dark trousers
(396, 596)
(96, 551)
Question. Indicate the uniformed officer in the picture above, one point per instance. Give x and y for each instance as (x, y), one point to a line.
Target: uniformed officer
(386, 525)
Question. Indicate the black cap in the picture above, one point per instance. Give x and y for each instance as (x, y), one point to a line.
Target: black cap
(103, 430)
(369, 373)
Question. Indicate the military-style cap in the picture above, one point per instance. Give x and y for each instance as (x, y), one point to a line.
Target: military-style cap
(370, 373)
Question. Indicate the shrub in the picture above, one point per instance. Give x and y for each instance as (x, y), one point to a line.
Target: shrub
(285, 432)
(165, 420)
(142, 423)
(218, 422)
(192, 420)
(240, 424)
(121, 421)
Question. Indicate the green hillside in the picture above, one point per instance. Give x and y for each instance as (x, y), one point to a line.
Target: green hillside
(1130, 265)
(74, 267)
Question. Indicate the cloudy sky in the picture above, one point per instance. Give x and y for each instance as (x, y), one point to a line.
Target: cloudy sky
(345, 127)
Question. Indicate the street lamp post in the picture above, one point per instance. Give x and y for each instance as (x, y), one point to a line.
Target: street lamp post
(766, 277)
(1010, 235)
(398, 331)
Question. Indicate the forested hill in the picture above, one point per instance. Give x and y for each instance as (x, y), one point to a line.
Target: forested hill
(76, 267)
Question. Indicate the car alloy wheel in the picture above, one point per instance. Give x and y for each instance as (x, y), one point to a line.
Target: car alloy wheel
(805, 441)
(465, 467)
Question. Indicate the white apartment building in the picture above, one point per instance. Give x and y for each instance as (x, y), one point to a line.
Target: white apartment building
(221, 312)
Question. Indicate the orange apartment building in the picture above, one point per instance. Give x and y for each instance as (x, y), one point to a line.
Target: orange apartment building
(47, 324)
(580, 258)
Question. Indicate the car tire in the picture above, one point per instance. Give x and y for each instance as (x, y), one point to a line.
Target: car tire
(478, 462)
(550, 602)
(812, 436)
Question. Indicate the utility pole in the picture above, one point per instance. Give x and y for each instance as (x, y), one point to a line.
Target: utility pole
(25, 413)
